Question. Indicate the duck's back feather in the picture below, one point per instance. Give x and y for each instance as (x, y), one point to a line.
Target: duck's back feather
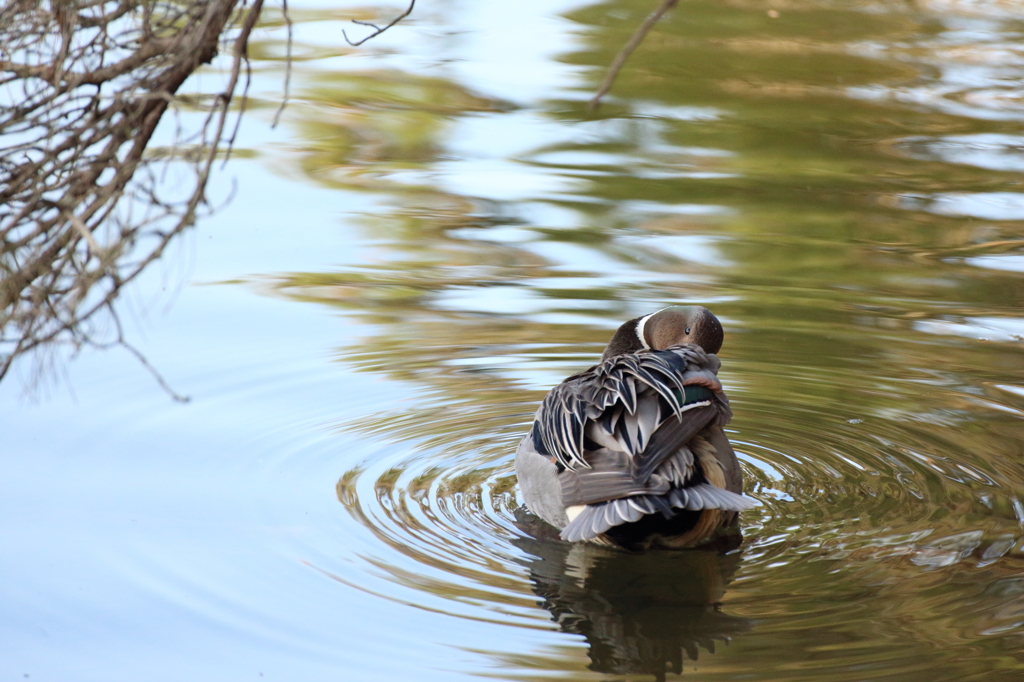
(625, 399)
(617, 438)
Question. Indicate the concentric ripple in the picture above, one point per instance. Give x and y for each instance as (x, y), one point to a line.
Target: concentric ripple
(453, 530)
(882, 483)
(445, 527)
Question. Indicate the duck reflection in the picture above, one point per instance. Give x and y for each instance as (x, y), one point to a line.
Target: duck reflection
(641, 613)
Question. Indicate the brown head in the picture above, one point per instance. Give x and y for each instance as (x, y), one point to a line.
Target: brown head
(669, 327)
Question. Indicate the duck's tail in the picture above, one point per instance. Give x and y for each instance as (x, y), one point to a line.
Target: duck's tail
(594, 519)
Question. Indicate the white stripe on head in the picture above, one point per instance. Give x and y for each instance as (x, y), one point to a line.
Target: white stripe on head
(640, 328)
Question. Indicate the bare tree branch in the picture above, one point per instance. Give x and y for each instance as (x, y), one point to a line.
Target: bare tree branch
(627, 49)
(78, 220)
(377, 30)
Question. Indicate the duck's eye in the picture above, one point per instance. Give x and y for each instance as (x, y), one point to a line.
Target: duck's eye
(687, 331)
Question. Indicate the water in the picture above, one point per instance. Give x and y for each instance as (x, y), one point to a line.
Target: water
(438, 232)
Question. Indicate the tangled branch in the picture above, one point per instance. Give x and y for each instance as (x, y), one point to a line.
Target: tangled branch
(83, 85)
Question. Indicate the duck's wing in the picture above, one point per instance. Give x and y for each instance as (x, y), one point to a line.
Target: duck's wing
(612, 474)
(644, 405)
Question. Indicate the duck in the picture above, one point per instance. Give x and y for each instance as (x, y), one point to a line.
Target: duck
(632, 452)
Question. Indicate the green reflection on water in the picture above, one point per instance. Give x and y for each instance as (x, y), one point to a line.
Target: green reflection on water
(815, 180)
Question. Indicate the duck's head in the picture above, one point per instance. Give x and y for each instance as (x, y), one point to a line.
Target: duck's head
(668, 327)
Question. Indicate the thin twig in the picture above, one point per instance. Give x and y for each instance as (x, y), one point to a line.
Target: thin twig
(287, 66)
(377, 30)
(627, 49)
(152, 370)
(84, 231)
(241, 55)
(241, 111)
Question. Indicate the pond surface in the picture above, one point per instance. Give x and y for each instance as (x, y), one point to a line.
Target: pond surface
(438, 231)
